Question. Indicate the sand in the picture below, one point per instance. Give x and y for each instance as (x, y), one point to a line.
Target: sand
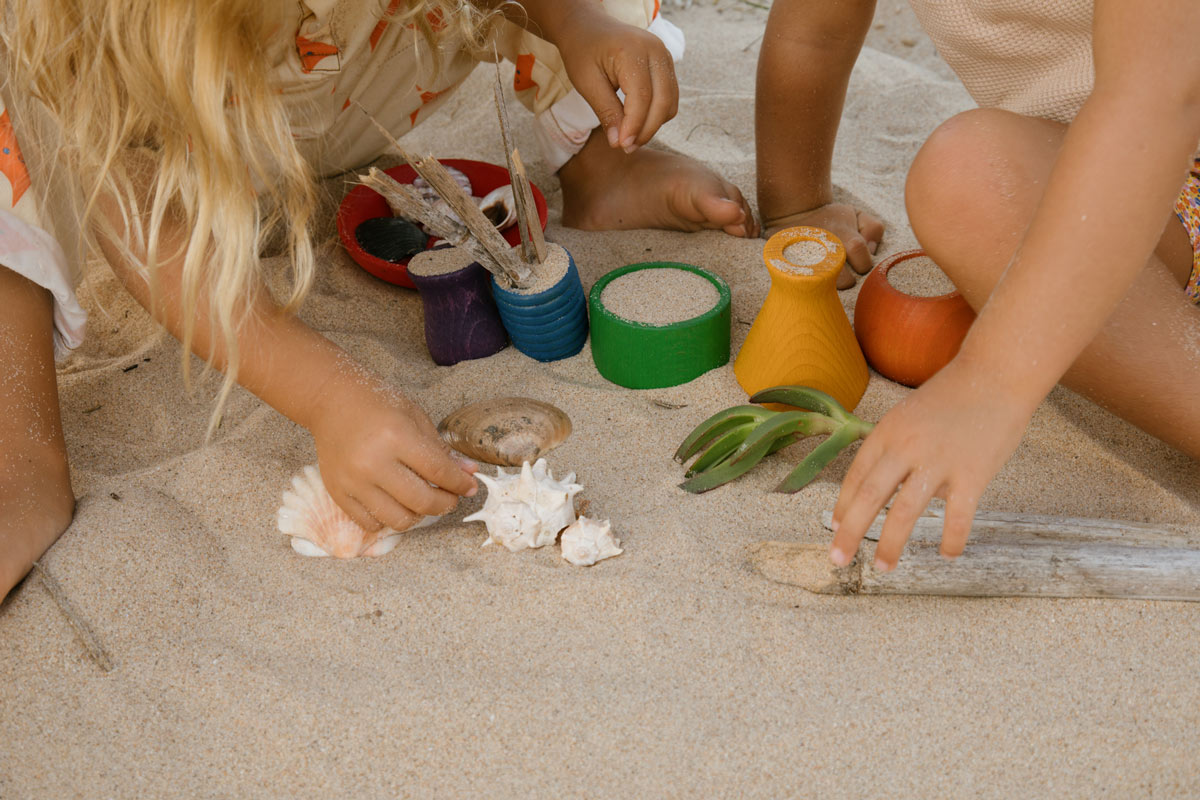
(547, 274)
(919, 276)
(805, 254)
(439, 261)
(659, 296)
(443, 669)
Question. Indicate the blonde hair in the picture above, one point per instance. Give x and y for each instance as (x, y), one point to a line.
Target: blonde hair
(166, 108)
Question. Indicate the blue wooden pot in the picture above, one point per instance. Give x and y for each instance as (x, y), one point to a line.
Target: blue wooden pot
(549, 325)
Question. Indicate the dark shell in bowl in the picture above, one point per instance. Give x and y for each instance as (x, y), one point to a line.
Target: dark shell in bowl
(392, 239)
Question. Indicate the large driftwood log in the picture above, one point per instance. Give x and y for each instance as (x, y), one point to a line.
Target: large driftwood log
(1008, 555)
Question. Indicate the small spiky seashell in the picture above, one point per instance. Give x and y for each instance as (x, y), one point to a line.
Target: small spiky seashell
(586, 541)
(319, 527)
(527, 508)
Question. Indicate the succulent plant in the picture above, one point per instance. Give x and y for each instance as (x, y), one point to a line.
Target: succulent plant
(736, 439)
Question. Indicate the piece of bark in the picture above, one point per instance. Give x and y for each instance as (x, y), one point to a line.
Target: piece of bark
(527, 248)
(532, 223)
(405, 202)
(1008, 555)
(513, 270)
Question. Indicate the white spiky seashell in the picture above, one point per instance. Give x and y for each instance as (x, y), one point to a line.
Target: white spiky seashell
(526, 508)
(319, 527)
(587, 541)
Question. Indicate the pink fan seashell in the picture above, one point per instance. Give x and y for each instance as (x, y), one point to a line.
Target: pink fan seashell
(319, 527)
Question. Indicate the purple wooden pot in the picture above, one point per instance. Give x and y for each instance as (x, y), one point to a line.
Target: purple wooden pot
(461, 321)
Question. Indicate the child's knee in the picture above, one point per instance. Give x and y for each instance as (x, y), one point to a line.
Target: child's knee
(957, 170)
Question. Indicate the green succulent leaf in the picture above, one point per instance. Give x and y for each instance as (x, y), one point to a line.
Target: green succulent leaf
(803, 397)
(718, 424)
(723, 447)
(779, 431)
(819, 458)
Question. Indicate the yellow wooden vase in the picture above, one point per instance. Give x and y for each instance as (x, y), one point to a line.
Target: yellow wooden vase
(802, 335)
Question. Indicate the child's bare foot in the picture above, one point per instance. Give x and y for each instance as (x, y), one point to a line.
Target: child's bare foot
(608, 189)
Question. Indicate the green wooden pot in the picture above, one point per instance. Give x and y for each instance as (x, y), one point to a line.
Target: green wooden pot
(638, 355)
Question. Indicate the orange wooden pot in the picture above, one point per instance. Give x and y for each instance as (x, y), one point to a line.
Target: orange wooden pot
(905, 338)
(802, 334)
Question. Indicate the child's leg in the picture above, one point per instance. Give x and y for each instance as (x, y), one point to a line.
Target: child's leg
(971, 193)
(36, 502)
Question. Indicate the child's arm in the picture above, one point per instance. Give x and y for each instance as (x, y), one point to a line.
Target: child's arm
(808, 52)
(378, 451)
(1113, 184)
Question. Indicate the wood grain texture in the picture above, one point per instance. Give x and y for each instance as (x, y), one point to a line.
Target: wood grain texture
(802, 335)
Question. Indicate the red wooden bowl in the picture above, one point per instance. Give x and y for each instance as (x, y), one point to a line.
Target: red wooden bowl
(905, 338)
(361, 204)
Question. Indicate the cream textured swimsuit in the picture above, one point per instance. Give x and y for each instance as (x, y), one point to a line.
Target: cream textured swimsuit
(1034, 57)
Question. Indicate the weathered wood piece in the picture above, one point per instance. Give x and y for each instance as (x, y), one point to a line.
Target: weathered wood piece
(1009, 555)
(527, 248)
(533, 223)
(513, 270)
(999, 527)
(405, 202)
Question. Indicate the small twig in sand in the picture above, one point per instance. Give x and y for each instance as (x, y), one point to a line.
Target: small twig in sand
(91, 644)
(667, 405)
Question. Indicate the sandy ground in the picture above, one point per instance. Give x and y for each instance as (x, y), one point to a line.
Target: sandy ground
(243, 670)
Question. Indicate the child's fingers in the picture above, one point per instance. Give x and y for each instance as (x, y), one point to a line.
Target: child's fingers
(385, 508)
(956, 527)
(416, 493)
(602, 97)
(355, 510)
(909, 504)
(876, 488)
(665, 103)
(434, 462)
(635, 80)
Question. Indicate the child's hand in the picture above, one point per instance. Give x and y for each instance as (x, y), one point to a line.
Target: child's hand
(602, 55)
(859, 232)
(948, 439)
(379, 454)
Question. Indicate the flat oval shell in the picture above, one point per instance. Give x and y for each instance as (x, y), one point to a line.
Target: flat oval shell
(506, 431)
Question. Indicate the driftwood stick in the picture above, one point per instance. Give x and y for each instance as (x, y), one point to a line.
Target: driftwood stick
(1008, 555)
(994, 570)
(513, 270)
(527, 207)
(91, 643)
(404, 201)
(527, 249)
(993, 527)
